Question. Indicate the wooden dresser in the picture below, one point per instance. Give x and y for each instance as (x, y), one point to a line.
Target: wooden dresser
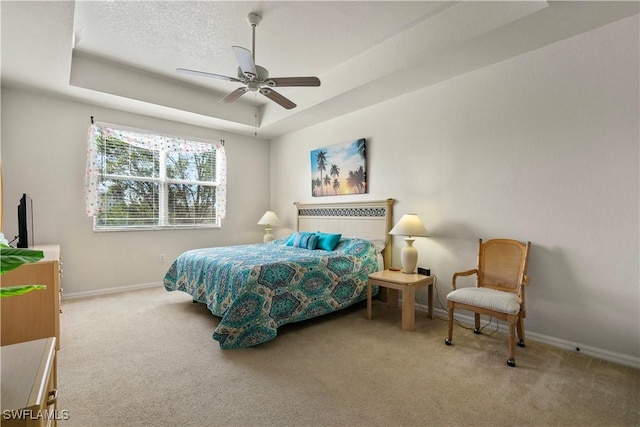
(36, 314)
(29, 384)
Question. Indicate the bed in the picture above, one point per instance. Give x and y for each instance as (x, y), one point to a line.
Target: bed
(257, 288)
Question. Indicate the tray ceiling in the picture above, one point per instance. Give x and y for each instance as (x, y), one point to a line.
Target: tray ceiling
(123, 54)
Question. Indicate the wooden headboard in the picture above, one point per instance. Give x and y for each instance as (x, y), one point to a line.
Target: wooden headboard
(366, 219)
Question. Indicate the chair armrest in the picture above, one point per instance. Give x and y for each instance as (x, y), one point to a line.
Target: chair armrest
(462, 273)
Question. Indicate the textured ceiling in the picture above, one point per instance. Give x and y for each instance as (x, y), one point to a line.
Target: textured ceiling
(123, 54)
(294, 38)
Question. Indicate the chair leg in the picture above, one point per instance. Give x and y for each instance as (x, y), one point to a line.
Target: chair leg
(477, 323)
(512, 344)
(450, 325)
(520, 327)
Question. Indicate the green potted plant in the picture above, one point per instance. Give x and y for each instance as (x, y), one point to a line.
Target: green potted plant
(12, 258)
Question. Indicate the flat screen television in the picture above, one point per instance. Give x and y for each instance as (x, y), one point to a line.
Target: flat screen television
(25, 222)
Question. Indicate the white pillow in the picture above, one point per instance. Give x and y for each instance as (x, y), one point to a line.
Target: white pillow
(380, 244)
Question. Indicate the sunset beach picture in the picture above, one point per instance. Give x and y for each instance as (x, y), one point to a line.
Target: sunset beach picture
(339, 169)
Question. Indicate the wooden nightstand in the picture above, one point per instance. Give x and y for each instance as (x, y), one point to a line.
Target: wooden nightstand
(407, 283)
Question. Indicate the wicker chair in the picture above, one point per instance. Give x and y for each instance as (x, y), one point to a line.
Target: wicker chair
(501, 277)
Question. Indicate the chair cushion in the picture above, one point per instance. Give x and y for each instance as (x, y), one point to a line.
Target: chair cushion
(503, 302)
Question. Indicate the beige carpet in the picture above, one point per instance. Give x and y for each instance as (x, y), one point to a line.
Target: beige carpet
(146, 358)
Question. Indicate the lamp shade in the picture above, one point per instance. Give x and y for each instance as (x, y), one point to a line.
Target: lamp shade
(409, 225)
(269, 218)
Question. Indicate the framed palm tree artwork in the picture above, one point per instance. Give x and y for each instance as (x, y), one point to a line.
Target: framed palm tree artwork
(339, 169)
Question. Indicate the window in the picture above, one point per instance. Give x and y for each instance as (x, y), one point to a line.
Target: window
(142, 181)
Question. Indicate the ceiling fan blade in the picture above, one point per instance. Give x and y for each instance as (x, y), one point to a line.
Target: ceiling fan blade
(234, 95)
(245, 59)
(292, 81)
(276, 97)
(205, 74)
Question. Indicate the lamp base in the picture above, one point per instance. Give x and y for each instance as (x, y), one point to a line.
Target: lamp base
(268, 237)
(409, 256)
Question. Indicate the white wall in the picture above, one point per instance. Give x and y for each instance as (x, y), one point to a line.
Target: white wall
(44, 141)
(541, 147)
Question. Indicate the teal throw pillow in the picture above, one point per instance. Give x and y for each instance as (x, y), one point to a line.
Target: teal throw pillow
(328, 241)
(303, 240)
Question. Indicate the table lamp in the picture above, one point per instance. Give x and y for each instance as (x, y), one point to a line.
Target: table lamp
(410, 226)
(269, 219)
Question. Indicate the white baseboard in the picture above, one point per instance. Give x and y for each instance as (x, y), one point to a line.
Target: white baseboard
(99, 292)
(621, 359)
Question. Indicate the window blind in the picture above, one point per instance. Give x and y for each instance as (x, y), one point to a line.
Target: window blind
(142, 180)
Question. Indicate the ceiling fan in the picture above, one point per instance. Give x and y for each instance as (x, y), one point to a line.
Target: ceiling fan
(254, 77)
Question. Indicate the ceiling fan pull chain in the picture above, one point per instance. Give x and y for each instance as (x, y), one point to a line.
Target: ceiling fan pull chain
(255, 115)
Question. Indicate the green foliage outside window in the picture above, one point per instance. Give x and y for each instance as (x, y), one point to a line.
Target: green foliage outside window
(143, 187)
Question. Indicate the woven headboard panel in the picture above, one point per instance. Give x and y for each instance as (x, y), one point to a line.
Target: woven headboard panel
(366, 219)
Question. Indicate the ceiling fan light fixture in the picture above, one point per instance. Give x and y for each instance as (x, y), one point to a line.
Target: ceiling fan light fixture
(253, 86)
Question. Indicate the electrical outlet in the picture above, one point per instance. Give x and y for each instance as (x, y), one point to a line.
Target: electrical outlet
(161, 257)
(424, 271)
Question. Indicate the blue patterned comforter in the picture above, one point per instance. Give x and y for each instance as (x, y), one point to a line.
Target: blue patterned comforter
(257, 288)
